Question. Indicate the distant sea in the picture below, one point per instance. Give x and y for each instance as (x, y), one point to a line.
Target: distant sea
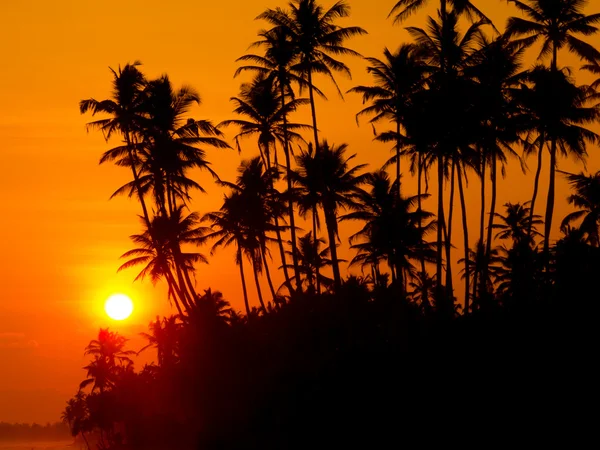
(65, 445)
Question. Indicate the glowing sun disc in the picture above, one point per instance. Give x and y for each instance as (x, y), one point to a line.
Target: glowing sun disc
(118, 307)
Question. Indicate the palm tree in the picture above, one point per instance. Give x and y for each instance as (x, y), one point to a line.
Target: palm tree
(267, 117)
(126, 109)
(260, 103)
(229, 227)
(556, 23)
(312, 259)
(326, 179)
(587, 199)
(163, 336)
(317, 40)
(496, 69)
(448, 103)
(263, 206)
(392, 228)
(515, 224)
(76, 415)
(560, 113)
(405, 8)
(160, 249)
(397, 78)
(279, 63)
(109, 353)
(174, 144)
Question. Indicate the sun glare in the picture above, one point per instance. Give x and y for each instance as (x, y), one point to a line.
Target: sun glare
(118, 307)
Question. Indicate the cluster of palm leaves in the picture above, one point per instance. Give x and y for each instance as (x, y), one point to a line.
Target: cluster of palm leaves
(456, 103)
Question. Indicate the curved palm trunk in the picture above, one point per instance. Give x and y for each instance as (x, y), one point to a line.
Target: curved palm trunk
(536, 183)
(243, 278)
(316, 250)
(440, 301)
(465, 236)
(87, 444)
(286, 274)
(174, 290)
(398, 156)
(288, 164)
(136, 177)
(488, 245)
(331, 222)
(449, 281)
(268, 273)
(426, 303)
(258, 288)
(420, 206)
(481, 228)
(550, 204)
(313, 110)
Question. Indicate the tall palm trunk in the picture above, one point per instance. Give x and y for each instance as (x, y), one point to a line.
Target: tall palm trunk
(552, 184)
(398, 156)
(268, 273)
(463, 205)
(313, 110)
(288, 164)
(536, 182)
(243, 278)
(490, 237)
(550, 203)
(257, 282)
(286, 274)
(422, 238)
(174, 289)
(331, 226)
(316, 249)
(441, 302)
(478, 256)
(449, 280)
(136, 177)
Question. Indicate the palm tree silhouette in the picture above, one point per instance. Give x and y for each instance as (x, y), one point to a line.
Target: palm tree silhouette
(76, 415)
(405, 8)
(557, 24)
(397, 78)
(497, 72)
(587, 199)
(260, 103)
(316, 37)
(126, 109)
(311, 260)
(561, 112)
(392, 228)
(279, 64)
(449, 104)
(163, 337)
(326, 179)
(230, 226)
(109, 354)
(160, 252)
(515, 223)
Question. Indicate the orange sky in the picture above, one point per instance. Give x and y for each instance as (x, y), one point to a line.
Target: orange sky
(60, 237)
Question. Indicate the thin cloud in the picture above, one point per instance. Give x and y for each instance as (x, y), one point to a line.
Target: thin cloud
(17, 341)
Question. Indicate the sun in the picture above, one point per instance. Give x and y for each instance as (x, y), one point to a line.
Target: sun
(118, 307)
